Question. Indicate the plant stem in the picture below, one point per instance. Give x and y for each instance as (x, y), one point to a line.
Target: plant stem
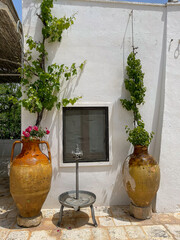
(43, 56)
(136, 115)
(134, 122)
(39, 117)
(40, 114)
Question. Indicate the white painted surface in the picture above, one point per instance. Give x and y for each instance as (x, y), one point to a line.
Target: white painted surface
(102, 36)
(168, 197)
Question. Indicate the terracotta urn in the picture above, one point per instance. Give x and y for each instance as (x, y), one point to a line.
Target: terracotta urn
(30, 177)
(141, 177)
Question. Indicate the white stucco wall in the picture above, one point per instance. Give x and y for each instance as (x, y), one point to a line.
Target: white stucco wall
(168, 197)
(102, 35)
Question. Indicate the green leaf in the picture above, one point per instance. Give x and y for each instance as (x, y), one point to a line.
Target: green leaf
(58, 105)
(65, 102)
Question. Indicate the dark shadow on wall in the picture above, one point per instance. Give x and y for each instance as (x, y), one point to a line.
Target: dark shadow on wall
(124, 118)
(157, 124)
(120, 150)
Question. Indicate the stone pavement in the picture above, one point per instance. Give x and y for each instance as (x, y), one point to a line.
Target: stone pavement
(113, 223)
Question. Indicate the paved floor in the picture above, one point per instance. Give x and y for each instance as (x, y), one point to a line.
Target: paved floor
(113, 223)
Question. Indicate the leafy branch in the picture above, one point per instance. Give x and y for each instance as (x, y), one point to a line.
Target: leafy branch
(42, 93)
(135, 85)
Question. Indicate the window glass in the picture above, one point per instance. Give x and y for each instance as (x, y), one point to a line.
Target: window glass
(87, 127)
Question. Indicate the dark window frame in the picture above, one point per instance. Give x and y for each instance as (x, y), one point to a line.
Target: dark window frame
(106, 131)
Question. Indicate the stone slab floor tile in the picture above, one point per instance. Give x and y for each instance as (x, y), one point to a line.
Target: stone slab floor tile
(177, 215)
(157, 232)
(102, 211)
(68, 223)
(18, 235)
(135, 232)
(80, 234)
(6, 202)
(48, 213)
(135, 221)
(71, 223)
(3, 213)
(3, 233)
(117, 233)
(122, 221)
(5, 194)
(84, 222)
(4, 188)
(12, 213)
(68, 212)
(106, 222)
(174, 229)
(43, 235)
(100, 234)
(166, 218)
(48, 224)
(84, 212)
(7, 223)
(118, 211)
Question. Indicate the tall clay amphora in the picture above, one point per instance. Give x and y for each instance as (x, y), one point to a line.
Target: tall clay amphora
(141, 176)
(30, 180)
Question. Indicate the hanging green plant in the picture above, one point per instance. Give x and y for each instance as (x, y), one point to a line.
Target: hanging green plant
(135, 85)
(42, 93)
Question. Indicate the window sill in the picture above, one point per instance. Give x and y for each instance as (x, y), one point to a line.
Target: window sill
(86, 164)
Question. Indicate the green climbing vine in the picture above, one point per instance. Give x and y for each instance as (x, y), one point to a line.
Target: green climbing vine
(41, 82)
(135, 85)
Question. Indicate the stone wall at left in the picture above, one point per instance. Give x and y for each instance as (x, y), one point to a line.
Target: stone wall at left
(5, 155)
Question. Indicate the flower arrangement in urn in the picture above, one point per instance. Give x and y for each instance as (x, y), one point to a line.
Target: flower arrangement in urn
(35, 132)
(141, 174)
(30, 176)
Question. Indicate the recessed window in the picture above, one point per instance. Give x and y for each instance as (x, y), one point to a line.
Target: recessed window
(87, 127)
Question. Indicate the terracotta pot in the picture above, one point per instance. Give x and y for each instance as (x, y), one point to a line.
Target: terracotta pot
(141, 176)
(30, 177)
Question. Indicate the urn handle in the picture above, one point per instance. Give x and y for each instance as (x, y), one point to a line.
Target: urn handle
(49, 153)
(12, 152)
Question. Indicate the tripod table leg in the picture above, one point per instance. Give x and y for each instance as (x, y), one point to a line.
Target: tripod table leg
(60, 217)
(93, 216)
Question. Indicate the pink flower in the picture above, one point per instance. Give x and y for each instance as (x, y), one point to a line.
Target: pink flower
(35, 128)
(47, 132)
(29, 129)
(26, 134)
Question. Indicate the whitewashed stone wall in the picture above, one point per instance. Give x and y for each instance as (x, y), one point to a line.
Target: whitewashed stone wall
(168, 197)
(5, 155)
(102, 35)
